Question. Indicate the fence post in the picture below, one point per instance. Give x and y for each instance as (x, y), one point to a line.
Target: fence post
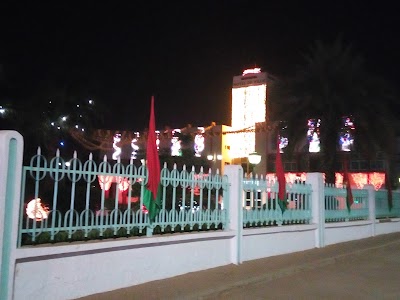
(371, 206)
(318, 206)
(235, 210)
(11, 154)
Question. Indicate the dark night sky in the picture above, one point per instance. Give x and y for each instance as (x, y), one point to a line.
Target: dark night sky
(185, 53)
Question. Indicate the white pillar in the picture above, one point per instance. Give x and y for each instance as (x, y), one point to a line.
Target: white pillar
(318, 206)
(235, 210)
(371, 206)
(11, 154)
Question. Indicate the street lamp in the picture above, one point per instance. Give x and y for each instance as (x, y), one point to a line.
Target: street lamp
(253, 159)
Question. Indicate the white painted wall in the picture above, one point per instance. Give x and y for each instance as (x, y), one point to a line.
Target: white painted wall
(347, 231)
(387, 226)
(72, 271)
(266, 242)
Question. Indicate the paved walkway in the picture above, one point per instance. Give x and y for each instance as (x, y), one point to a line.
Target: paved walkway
(363, 269)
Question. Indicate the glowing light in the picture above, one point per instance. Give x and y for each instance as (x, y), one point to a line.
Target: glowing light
(176, 144)
(123, 184)
(62, 144)
(64, 118)
(283, 143)
(248, 108)
(254, 158)
(251, 71)
(52, 123)
(67, 164)
(91, 101)
(198, 144)
(117, 149)
(76, 126)
(2, 110)
(359, 180)
(313, 135)
(377, 180)
(77, 105)
(219, 157)
(210, 157)
(105, 182)
(36, 210)
(83, 129)
(176, 147)
(135, 148)
(290, 177)
(158, 139)
(346, 136)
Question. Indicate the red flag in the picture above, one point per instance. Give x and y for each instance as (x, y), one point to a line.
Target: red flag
(346, 180)
(151, 197)
(389, 191)
(280, 174)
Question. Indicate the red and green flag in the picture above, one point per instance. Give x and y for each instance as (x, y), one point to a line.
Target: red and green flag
(389, 191)
(346, 180)
(152, 196)
(280, 174)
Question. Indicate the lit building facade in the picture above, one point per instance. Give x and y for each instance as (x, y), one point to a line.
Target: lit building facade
(250, 131)
(212, 143)
(249, 103)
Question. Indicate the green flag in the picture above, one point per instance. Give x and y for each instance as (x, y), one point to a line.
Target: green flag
(151, 195)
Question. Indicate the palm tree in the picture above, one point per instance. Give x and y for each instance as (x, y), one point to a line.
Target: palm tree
(330, 84)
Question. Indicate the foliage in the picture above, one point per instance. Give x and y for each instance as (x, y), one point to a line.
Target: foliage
(46, 120)
(332, 83)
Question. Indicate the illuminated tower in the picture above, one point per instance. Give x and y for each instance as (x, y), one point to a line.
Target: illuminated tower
(249, 98)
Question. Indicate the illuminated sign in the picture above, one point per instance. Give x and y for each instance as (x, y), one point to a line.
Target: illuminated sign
(251, 71)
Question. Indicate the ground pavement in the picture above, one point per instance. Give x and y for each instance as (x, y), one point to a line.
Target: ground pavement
(363, 269)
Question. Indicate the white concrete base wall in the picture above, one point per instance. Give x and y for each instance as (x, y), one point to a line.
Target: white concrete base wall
(387, 226)
(76, 270)
(347, 231)
(72, 271)
(266, 242)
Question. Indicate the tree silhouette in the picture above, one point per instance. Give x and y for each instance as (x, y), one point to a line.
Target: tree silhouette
(330, 84)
